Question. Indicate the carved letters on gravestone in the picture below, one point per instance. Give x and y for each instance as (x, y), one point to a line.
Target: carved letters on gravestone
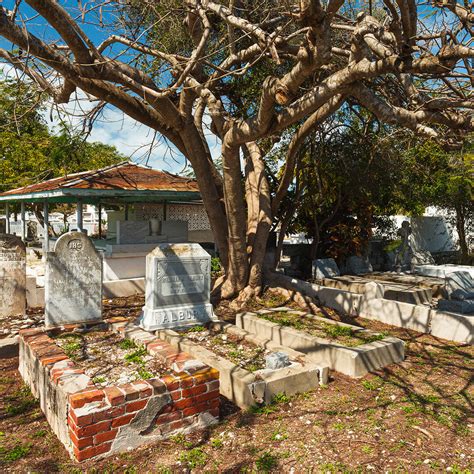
(73, 281)
(178, 283)
(12, 276)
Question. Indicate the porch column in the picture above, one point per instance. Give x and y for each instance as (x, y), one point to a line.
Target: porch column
(7, 218)
(126, 212)
(46, 228)
(23, 222)
(79, 216)
(100, 220)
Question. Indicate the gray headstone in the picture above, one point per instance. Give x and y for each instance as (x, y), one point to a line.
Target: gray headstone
(358, 265)
(453, 306)
(73, 281)
(131, 232)
(175, 231)
(12, 276)
(325, 268)
(178, 283)
(459, 285)
(277, 360)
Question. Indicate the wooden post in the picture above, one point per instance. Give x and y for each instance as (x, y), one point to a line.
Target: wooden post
(126, 212)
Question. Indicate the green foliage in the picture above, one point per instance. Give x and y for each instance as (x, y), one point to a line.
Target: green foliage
(266, 462)
(136, 357)
(335, 331)
(193, 458)
(30, 151)
(19, 451)
(127, 344)
(20, 401)
(216, 266)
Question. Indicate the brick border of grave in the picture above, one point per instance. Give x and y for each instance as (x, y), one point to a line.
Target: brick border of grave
(247, 388)
(94, 422)
(352, 361)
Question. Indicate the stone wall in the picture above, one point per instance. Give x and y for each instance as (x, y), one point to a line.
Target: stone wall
(95, 422)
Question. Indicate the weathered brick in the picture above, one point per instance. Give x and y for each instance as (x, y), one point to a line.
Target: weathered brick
(168, 417)
(194, 409)
(90, 452)
(171, 382)
(91, 430)
(176, 395)
(211, 386)
(208, 376)
(144, 388)
(80, 420)
(207, 396)
(109, 413)
(105, 436)
(197, 390)
(82, 442)
(131, 393)
(135, 406)
(114, 395)
(214, 412)
(122, 420)
(53, 359)
(158, 386)
(79, 399)
(186, 381)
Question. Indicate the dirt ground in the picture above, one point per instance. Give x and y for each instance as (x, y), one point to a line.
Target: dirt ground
(417, 416)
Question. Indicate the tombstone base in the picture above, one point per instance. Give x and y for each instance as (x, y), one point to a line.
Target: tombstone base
(176, 316)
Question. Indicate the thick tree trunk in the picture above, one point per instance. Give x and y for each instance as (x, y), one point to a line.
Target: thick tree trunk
(461, 228)
(237, 269)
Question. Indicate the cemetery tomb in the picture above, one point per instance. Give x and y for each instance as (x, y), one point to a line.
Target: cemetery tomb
(109, 390)
(325, 268)
(358, 265)
(252, 370)
(73, 281)
(348, 349)
(12, 276)
(178, 283)
(460, 289)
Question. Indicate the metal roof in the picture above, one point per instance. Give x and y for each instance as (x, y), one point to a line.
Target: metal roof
(127, 182)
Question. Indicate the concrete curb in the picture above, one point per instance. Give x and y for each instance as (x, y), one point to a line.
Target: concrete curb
(9, 347)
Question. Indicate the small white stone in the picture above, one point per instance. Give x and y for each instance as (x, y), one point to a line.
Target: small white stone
(426, 461)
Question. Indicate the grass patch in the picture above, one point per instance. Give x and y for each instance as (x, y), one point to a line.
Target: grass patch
(19, 451)
(136, 357)
(344, 335)
(127, 344)
(22, 401)
(193, 458)
(266, 462)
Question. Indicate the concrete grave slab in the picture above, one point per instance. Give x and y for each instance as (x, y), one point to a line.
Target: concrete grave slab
(73, 282)
(440, 271)
(353, 361)
(247, 388)
(12, 276)
(178, 280)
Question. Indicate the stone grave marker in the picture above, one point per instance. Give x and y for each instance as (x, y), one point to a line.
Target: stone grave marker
(358, 265)
(325, 268)
(12, 276)
(178, 283)
(73, 281)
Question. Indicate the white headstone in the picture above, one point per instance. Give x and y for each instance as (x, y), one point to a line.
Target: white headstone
(178, 283)
(12, 276)
(131, 232)
(73, 281)
(325, 268)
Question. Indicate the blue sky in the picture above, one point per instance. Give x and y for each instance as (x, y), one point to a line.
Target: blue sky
(113, 127)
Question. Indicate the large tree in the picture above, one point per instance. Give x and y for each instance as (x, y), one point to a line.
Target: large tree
(256, 69)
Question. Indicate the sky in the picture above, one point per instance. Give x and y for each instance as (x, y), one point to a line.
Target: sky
(113, 127)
